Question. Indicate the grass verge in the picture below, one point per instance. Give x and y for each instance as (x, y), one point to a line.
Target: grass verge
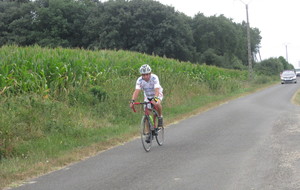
(296, 98)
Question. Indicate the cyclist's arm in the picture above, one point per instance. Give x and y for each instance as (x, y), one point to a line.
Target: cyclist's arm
(157, 92)
(135, 94)
(157, 87)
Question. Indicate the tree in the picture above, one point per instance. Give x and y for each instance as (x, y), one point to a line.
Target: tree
(21, 28)
(107, 25)
(216, 32)
(12, 19)
(225, 38)
(286, 65)
(209, 57)
(58, 23)
(140, 25)
(271, 66)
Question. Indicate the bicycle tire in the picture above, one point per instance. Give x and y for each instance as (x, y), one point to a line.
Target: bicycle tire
(146, 133)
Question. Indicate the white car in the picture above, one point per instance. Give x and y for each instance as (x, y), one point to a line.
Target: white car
(288, 76)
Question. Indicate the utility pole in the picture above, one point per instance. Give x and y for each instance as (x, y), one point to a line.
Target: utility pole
(286, 53)
(249, 44)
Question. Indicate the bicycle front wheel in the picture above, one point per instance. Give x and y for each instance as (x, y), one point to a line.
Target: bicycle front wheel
(146, 134)
(160, 136)
(159, 131)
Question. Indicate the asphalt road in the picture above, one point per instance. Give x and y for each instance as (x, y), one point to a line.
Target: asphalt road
(251, 143)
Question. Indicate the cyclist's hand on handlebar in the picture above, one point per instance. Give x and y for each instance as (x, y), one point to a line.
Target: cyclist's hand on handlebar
(131, 104)
(156, 99)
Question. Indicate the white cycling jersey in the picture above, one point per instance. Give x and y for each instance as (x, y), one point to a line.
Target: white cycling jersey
(149, 87)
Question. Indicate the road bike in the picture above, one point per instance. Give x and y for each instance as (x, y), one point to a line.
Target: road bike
(149, 128)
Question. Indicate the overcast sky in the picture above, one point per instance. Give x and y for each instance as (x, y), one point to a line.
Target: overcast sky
(278, 21)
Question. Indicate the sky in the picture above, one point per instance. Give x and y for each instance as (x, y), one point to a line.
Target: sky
(277, 20)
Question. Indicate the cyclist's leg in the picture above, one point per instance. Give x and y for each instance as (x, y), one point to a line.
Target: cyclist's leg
(158, 107)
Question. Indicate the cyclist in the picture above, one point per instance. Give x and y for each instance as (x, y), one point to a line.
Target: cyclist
(149, 83)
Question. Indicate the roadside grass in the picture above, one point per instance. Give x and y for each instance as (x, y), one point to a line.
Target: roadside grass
(296, 98)
(59, 106)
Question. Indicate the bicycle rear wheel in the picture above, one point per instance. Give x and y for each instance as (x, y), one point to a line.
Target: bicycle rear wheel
(146, 134)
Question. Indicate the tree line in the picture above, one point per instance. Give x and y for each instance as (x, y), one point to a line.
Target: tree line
(145, 26)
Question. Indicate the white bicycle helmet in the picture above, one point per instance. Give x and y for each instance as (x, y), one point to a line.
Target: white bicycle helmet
(145, 69)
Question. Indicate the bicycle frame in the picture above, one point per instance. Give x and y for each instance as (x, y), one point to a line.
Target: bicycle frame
(146, 110)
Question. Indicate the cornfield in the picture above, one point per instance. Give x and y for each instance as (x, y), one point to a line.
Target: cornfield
(55, 71)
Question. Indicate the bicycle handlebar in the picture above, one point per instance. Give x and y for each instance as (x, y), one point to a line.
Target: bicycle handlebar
(138, 103)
